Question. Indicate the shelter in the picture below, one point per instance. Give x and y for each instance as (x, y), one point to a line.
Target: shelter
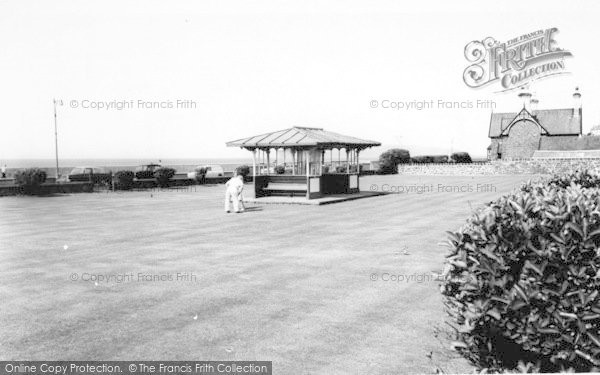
(302, 161)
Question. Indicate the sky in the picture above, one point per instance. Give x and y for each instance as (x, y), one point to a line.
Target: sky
(189, 76)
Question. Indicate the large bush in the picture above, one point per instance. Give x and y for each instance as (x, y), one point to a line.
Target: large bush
(123, 180)
(30, 180)
(389, 160)
(523, 279)
(461, 157)
(163, 176)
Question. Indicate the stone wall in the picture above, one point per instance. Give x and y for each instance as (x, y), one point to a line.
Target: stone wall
(502, 167)
(586, 142)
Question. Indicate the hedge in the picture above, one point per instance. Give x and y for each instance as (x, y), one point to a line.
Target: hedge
(523, 278)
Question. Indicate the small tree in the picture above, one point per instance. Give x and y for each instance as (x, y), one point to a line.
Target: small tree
(243, 170)
(389, 160)
(30, 180)
(163, 176)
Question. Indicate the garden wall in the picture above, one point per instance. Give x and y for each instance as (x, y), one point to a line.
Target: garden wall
(525, 166)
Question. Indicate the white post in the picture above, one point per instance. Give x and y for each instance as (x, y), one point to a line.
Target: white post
(254, 164)
(321, 162)
(268, 160)
(347, 161)
(254, 172)
(307, 153)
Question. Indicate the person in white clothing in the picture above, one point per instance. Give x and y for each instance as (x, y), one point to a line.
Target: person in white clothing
(233, 193)
(241, 196)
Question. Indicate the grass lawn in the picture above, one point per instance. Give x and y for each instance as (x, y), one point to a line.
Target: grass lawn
(282, 283)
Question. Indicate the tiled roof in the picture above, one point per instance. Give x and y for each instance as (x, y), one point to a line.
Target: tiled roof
(302, 137)
(555, 121)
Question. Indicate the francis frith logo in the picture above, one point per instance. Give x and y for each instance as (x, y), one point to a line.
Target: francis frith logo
(514, 63)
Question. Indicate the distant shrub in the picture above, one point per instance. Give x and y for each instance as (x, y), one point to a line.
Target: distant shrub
(30, 180)
(523, 279)
(280, 169)
(340, 169)
(243, 170)
(389, 160)
(144, 174)
(422, 159)
(461, 157)
(124, 180)
(163, 176)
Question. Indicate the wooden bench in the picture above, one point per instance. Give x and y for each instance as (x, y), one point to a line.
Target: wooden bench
(285, 189)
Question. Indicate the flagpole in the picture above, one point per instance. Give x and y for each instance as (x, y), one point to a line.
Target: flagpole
(56, 140)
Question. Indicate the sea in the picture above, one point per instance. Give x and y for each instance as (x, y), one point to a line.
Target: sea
(66, 165)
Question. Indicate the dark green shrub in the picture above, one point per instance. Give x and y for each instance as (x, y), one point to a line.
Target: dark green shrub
(163, 176)
(389, 160)
(340, 169)
(425, 159)
(461, 157)
(523, 278)
(280, 169)
(243, 170)
(30, 180)
(429, 159)
(582, 178)
(144, 174)
(123, 180)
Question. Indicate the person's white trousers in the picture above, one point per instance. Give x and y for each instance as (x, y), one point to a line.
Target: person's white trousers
(232, 196)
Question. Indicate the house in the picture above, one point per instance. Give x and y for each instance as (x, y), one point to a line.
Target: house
(519, 135)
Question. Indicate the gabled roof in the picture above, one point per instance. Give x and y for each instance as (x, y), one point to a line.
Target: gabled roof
(554, 121)
(302, 137)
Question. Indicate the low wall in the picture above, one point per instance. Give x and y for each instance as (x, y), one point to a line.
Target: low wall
(514, 167)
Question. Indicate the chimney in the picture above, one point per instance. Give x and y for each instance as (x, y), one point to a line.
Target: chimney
(576, 103)
(525, 96)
